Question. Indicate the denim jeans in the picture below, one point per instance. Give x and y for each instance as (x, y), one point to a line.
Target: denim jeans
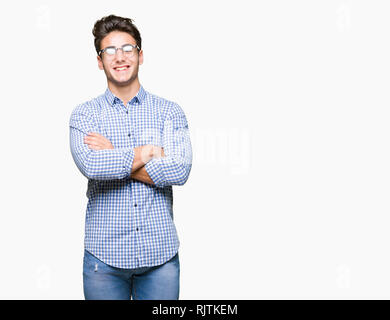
(104, 282)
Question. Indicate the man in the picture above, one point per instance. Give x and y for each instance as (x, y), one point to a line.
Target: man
(132, 146)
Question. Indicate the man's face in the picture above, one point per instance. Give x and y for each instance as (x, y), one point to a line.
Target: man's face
(110, 64)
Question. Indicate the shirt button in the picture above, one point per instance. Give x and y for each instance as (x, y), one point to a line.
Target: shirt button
(135, 204)
(136, 229)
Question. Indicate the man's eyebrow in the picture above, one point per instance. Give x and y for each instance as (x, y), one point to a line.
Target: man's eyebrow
(127, 43)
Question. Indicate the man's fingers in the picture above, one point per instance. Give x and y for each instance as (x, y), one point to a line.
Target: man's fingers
(93, 144)
(93, 137)
(93, 140)
(96, 137)
(98, 141)
(94, 147)
(95, 134)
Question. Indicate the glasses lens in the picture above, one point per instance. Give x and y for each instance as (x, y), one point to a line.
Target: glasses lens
(127, 48)
(110, 51)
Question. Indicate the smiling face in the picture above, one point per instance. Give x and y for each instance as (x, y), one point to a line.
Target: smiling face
(121, 69)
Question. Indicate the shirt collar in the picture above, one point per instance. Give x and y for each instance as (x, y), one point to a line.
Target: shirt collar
(139, 97)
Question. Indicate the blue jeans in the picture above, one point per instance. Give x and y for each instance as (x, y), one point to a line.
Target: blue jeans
(104, 282)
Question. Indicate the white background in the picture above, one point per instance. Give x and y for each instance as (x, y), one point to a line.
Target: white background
(288, 107)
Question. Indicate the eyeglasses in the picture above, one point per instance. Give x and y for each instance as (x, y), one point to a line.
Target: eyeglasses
(127, 49)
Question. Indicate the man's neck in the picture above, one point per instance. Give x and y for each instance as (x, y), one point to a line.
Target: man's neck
(125, 93)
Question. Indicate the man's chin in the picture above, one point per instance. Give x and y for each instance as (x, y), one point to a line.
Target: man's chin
(121, 83)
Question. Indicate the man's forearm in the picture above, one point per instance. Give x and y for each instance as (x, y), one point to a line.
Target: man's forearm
(142, 175)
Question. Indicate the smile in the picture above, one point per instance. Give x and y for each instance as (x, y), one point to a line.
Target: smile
(121, 68)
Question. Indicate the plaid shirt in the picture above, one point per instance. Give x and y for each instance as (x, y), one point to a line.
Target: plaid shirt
(129, 224)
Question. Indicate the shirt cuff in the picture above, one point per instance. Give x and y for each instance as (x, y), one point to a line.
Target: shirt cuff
(128, 156)
(153, 168)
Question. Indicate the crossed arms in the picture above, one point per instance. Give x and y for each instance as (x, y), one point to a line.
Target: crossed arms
(97, 158)
(142, 155)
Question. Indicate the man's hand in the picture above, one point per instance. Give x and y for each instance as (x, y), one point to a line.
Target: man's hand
(157, 152)
(143, 154)
(96, 141)
(140, 174)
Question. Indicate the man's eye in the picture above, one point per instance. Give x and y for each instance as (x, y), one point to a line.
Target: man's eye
(110, 50)
(127, 48)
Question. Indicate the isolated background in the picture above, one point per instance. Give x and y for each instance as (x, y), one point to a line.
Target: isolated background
(288, 107)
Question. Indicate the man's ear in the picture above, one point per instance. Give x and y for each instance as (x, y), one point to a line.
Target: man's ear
(140, 57)
(100, 63)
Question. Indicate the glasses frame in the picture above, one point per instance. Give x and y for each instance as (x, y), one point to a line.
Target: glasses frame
(117, 48)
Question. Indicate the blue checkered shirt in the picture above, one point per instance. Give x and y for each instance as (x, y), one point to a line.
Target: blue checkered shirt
(129, 224)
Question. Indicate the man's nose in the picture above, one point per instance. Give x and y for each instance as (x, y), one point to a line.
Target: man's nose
(119, 54)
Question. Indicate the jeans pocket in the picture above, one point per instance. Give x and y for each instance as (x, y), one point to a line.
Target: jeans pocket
(91, 263)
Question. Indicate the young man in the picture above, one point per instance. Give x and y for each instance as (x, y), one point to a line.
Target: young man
(132, 146)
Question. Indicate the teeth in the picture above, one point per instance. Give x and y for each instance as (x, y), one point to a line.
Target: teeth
(123, 68)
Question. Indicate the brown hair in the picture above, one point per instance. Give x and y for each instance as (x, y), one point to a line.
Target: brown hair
(110, 23)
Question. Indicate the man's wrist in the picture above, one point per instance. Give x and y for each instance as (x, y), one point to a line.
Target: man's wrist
(145, 153)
